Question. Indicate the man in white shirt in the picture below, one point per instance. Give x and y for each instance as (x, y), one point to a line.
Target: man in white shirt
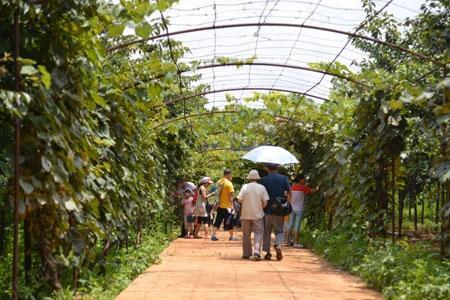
(253, 197)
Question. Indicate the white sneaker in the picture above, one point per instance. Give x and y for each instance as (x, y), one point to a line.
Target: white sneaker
(298, 246)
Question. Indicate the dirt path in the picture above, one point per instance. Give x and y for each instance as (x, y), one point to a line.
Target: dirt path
(203, 269)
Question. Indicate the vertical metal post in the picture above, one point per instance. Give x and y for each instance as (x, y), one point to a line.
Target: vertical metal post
(445, 219)
(393, 198)
(15, 266)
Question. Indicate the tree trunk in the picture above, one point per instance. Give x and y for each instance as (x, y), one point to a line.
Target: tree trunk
(2, 227)
(381, 207)
(422, 213)
(330, 221)
(445, 223)
(49, 265)
(414, 199)
(410, 199)
(401, 203)
(139, 233)
(75, 280)
(438, 201)
(27, 251)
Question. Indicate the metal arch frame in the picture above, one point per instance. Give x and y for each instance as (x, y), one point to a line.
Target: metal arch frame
(210, 113)
(195, 116)
(274, 24)
(266, 64)
(240, 89)
(222, 149)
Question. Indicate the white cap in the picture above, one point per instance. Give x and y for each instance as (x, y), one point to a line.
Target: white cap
(253, 175)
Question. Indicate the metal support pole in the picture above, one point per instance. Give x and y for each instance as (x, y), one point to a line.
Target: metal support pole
(15, 266)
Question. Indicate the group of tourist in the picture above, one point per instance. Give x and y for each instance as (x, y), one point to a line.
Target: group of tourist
(254, 205)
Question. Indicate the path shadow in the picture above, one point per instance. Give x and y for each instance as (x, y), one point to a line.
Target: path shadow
(235, 258)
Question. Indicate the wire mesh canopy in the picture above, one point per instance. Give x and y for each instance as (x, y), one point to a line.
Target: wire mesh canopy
(280, 54)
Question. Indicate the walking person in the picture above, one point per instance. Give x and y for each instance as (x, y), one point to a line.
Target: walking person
(299, 191)
(277, 186)
(200, 211)
(225, 208)
(253, 197)
(188, 205)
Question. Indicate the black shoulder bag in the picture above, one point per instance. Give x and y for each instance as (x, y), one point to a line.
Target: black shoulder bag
(279, 206)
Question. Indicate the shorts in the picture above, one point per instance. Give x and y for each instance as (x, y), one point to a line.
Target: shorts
(201, 220)
(222, 216)
(189, 218)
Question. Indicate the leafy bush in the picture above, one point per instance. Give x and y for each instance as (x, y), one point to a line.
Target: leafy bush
(399, 271)
(123, 266)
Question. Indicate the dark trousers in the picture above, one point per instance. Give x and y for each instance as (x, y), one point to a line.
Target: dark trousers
(222, 216)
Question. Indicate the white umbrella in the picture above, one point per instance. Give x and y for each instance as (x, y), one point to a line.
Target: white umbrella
(271, 154)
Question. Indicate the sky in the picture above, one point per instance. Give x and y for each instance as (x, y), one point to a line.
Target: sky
(278, 45)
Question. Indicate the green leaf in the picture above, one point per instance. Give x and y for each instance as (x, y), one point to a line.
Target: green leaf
(26, 187)
(143, 30)
(26, 61)
(5, 169)
(28, 70)
(92, 54)
(163, 5)
(395, 104)
(46, 78)
(116, 29)
(46, 164)
(99, 100)
(70, 205)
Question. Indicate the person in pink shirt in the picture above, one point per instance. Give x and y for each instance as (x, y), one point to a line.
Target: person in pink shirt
(188, 206)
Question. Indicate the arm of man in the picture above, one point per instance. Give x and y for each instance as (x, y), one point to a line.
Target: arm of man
(287, 190)
(231, 197)
(265, 197)
(230, 190)
(307, 190)
(240, 196)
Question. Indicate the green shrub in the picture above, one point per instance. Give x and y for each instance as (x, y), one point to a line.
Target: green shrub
(399, 271)
(121, 268)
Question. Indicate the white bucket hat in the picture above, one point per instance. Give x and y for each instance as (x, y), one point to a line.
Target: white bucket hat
(253, 175)
(206, 180)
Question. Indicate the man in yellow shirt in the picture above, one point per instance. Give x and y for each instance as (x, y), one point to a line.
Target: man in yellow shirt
(225, 192)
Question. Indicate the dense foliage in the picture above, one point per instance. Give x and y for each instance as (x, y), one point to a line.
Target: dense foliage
(100, 146)
(400, 271)
(93, 172)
